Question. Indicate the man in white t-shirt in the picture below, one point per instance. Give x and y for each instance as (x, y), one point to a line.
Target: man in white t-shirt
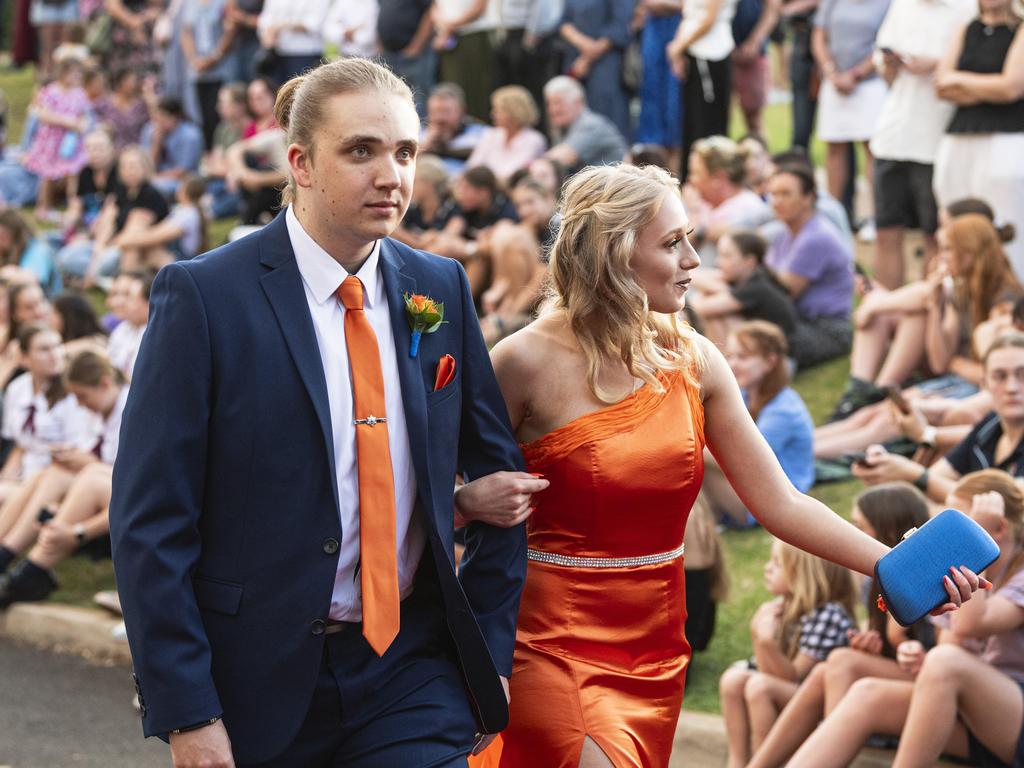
(910, 43)
(129, 301)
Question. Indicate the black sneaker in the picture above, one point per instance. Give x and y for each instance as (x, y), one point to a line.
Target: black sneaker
(858, 394)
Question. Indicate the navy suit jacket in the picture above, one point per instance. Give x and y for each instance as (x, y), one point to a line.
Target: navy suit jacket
(225, 499)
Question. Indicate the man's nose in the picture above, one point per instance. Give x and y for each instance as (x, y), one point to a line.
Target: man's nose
(388, 174)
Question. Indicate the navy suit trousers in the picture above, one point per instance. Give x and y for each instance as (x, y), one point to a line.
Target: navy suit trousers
(406, 708)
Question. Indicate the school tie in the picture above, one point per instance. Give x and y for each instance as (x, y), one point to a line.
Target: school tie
(30, 420)
(378, 564)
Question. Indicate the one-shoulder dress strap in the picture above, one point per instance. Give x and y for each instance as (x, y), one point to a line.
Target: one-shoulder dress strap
(616, 419)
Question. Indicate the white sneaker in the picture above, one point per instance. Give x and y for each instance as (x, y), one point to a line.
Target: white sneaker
(867, 232)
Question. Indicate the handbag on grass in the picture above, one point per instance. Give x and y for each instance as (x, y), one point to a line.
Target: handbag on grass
(910, 576)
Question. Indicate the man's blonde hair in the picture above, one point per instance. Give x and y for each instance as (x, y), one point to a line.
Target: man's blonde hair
(300, 102)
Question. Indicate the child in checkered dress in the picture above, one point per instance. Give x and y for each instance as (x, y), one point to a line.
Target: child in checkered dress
(810, 615)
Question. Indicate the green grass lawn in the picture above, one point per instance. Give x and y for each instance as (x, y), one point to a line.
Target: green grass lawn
(746, 552)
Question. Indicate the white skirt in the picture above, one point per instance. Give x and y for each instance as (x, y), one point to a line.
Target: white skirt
(853, 117)
(989, 166)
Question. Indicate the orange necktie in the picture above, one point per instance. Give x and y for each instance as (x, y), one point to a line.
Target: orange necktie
(377, 559)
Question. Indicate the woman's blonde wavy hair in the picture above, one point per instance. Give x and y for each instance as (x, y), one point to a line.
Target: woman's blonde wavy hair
(603, 210)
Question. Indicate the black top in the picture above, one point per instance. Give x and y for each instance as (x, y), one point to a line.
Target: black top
(984, 51)
(762, 298)
(978, 450)
(92, 194)
(500, 209)
(398, 21)
(149, 197)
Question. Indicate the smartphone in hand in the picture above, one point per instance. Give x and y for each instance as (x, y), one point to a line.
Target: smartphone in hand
(861, 460)
(896, 396)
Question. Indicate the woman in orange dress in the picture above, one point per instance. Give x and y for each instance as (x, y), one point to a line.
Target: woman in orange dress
(613, 400)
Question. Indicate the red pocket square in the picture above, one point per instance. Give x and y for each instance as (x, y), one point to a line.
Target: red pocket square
(445, 372)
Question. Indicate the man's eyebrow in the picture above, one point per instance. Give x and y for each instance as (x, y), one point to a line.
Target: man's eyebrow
(368, 139)
(362, 140)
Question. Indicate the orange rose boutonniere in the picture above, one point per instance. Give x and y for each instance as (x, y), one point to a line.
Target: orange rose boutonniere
(425, 316)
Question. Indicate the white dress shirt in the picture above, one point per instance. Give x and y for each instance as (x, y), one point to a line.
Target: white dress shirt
(321, 278)
(311, 14)
(123, 346)
(66, 423)
(359, 17)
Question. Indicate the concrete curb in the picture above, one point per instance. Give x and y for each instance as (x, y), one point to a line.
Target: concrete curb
(700, 737)
(86, 632)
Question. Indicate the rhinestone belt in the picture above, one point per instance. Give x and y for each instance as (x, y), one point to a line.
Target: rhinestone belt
(603, 562)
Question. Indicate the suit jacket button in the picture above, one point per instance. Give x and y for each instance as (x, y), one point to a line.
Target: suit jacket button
(317, 627)
(331, 546)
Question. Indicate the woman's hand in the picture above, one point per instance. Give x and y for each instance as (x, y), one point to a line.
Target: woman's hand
(72, 459)
(676, 53)
(844, 82)
(912, 424)
(910, 656)
(865, 313)
(960, 587)
(884, 467)
(765, 623)
(502, 499)
(57, 536)
(866, 642)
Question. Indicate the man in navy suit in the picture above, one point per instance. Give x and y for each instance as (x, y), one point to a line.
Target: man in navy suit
(242, 476)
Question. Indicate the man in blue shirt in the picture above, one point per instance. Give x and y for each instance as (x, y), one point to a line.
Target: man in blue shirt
(174, 144)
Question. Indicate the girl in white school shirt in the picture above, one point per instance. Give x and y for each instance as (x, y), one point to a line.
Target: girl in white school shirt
(39, 413)
(102, 389)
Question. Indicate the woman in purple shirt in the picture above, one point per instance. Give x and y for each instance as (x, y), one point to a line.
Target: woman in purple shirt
(813, 264)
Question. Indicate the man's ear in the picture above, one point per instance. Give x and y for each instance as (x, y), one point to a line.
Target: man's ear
(300, 161)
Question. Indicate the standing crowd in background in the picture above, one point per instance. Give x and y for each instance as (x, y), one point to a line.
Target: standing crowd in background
(153, 120)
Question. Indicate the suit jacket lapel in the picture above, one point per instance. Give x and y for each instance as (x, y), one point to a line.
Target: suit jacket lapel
(283, 287)
(397, 283)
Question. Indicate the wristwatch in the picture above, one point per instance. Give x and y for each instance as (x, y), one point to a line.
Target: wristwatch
(928, 436)
(79, 530)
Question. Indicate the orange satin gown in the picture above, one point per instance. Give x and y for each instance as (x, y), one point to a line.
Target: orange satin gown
(601, 652)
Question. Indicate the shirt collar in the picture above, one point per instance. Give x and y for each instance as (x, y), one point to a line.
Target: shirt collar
(322, 274)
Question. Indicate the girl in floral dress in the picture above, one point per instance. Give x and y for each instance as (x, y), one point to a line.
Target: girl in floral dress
(57, 149)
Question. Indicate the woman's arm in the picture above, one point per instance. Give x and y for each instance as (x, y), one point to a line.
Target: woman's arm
(769, 19)
(683, 41)
(1002, 88)
(122, 15)
(12, 467)
(763, 487)
(62, 121)
(714, 305)
(105, 224)
(947, 69)
(163, 232)
(988, 615)
(941, 331)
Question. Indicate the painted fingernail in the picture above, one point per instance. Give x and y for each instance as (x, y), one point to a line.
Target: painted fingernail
(537, 474)
(987, 585)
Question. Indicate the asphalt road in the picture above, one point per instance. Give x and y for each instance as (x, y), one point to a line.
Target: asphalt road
(58, 710)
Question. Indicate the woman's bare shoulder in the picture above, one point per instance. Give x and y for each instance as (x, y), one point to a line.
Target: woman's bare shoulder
(532, 349)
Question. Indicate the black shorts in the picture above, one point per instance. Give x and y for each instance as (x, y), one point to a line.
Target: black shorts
(904, 197)
(983, 758)
(817, 340)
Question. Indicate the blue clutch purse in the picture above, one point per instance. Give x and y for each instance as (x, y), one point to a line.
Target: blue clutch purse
(910, 576)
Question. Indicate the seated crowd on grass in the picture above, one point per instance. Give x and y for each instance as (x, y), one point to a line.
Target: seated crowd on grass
(150, 137)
